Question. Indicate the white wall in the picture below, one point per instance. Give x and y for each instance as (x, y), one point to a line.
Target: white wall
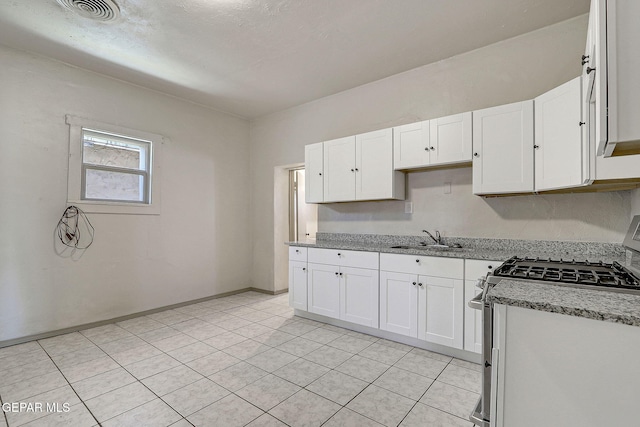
(197, 247)
(513, 70)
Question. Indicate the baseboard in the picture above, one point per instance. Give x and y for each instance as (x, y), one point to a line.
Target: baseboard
(15, 341)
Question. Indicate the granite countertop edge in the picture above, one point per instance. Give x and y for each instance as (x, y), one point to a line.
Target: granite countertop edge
(463, 253)
(601, 305)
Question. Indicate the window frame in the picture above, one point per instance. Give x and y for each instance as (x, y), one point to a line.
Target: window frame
(77, 169)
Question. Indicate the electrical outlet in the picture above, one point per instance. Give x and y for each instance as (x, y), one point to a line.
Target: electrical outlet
(408, 207)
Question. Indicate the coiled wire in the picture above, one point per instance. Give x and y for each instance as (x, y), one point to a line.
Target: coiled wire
(70, 228)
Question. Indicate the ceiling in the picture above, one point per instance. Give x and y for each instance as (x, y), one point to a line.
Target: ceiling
(255, 57)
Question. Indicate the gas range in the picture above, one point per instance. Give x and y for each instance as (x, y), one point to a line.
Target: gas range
(613, 277)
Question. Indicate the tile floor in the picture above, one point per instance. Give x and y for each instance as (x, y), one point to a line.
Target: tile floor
(234, 361)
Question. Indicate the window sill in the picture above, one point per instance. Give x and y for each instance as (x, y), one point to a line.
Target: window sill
(116, 208)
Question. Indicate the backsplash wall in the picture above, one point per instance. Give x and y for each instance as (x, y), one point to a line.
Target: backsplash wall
(601, 217)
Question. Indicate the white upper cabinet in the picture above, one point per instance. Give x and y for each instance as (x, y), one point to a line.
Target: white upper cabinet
(558, 139)
(339, 169)
(411, 145)
(442, 141)
(313, 165)
(503, 149)
(450, 139)
(361, 168)
(612, 66)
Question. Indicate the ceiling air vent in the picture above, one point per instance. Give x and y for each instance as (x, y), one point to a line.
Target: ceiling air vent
(99, 10)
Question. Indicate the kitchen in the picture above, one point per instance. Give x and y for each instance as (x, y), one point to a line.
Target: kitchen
(220, 237)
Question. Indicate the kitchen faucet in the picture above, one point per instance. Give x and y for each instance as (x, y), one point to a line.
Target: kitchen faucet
(437, 239)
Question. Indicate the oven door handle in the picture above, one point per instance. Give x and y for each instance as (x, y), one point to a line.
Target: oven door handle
(476, 302)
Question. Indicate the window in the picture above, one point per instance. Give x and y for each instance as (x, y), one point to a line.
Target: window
(113, 169)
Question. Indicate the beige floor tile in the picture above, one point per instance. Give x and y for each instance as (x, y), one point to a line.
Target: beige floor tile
(123, 345)
(78, 416)
(25, 372)
(252, 330)
(338, 387)
(462, 377)
(321, 335)
(174, 342)
(328, 356)
(152, 414)
(32, 387)
(194, 397)
(451, 399)
(271, 360)
(405, 383)
(423, 415)
(154, 365)
(77, 357)
(301, 372)
(348, 418)
(266, 420)
(19, 349)
(20, 359)
(382, 353)
(171, 380)
(238, 376)
(267, 392)
(121, 400)
(230, 411)
(384, 406)
(246, 349)
(225, 340)
(191, 352)
(158, 334)
(205, 332)
(136, 354)
(274, 338)
(140, 325)
(468, 365)
(89, 369)
(299, 346)
(213, 363)
(305, 409)
(48, 402)
(363, 368)
(350, 343)
(103, 383)
(421, 365)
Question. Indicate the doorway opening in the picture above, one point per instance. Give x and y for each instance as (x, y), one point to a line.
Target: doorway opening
(303, 217)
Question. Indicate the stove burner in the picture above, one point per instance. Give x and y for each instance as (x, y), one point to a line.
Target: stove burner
(598, 273)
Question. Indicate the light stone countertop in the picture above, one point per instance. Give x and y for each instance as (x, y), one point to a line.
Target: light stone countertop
(613, 307)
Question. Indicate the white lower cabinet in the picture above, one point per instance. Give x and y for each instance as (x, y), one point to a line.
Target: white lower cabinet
(441, 310)
(298, 284)
(399, 303)
(359, 296)
(422, 297)
(425, 306)
(342, 291)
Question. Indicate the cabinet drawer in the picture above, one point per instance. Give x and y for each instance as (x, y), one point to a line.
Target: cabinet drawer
(476, 268)
(297, 253)
(425, 265)
(344, 258)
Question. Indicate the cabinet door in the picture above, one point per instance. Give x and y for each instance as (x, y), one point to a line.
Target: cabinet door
(411, 145)
(298, 285)
(339, 170)
(558, 137)
(314, 181)
(374, 165)
(323, 288)
(441, 310)
(359, 296)
(450, 139)
(473, 270)
(399, 303)
(503, 149)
